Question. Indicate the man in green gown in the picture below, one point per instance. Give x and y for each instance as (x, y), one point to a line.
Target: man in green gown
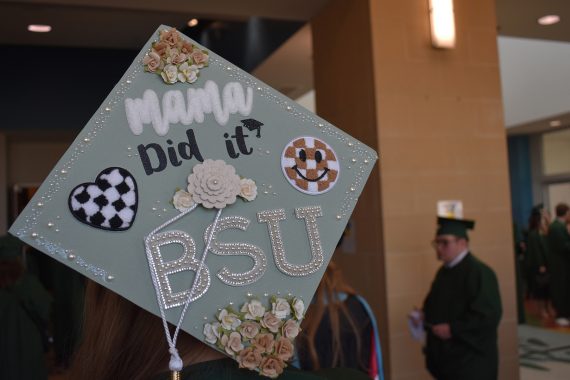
(462, 310)
(559, 260)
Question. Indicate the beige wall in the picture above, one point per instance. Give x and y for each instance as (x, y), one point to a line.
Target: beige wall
(27, 158)
(435, 117)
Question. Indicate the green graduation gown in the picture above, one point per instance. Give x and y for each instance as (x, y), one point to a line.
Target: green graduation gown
(559, 260)
(466, 297)
(536, 257)
(21, 348)
(227, 369)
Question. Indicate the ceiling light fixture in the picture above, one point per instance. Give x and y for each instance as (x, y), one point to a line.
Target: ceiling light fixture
(192, 23)
(442, 22)
(555, 123)
(549, 20)
(36, 28)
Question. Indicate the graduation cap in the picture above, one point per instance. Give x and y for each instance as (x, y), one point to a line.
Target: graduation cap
(162, 200)
(253, 125)
(456, 227)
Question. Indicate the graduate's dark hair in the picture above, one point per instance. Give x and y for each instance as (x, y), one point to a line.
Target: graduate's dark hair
(326, 301)
(10, 271)
(123, 341)
(534, 220)
(561, 209)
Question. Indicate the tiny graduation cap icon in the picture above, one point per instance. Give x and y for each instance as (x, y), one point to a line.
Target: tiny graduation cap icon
(203, 196)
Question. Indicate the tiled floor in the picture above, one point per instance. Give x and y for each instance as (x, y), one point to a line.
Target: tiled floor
(544, 354)
(544, 347)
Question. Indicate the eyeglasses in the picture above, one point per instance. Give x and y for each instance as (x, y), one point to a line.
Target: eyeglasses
(444, 243)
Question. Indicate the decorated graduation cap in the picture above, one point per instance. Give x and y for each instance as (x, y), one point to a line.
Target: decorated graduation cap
(452, 226)
(205, 197)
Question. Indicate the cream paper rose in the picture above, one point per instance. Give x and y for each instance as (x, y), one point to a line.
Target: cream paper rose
(214, 184)
(233, 344)
(170, 37)
(290, 329)
(188, 73)
(248, 189)
(271, 322)
(200, 58)
(211, 332)
(281, 308)
(182, 200)
(284, 349)
(264, 343)
(228, 320)
(169, 74)
(253, 309)
(271, 366)
(152, 61)
(186, 47)
(299, 308)
(160, 48)
(249, 329)
(249, 358)
(175, 57)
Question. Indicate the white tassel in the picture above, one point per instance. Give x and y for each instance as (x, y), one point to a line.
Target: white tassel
(176, 363)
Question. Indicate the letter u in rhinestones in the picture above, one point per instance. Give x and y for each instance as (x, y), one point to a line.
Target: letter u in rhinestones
(310, 214)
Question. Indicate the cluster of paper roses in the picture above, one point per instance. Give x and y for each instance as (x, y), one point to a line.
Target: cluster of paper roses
(259, 339)
(214, 184)
(175, 59)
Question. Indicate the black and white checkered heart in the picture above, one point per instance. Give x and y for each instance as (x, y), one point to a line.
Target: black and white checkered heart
(109, 204)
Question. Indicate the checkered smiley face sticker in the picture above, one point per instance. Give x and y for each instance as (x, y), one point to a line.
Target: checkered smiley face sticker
(310, 165)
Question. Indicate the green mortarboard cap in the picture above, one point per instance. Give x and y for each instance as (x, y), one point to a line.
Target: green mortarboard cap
(456, 227)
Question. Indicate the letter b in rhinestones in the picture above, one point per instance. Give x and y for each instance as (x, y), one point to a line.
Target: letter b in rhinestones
(186, 262)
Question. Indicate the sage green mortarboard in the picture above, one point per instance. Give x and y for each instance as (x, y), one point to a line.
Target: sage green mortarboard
(203, 195)
(456, 227)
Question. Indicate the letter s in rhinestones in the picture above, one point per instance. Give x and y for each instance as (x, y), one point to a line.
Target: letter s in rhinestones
(237, 249)
(310, 165)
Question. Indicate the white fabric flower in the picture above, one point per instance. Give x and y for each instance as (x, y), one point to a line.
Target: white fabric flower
(281, 308)
(175, 57)
(249, 329)
(188, 73)
(182, 200)
(254, 309)
(211, 332)
(229, 321)
(299, 308)
(199, 57)
(214, 184)
(152, 61)
(271, 322)
(170, 74)
(248, 189)
(233, 343)
(290, 329)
